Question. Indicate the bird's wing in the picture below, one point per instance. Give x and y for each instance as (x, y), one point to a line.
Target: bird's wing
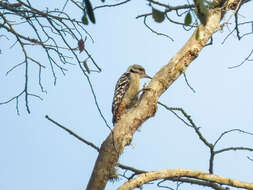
(120, 90)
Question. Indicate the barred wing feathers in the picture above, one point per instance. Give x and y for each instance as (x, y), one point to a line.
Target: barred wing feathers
(120, 90)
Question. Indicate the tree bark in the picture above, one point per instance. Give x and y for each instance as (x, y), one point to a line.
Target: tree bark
(163, 174)
(125, 128)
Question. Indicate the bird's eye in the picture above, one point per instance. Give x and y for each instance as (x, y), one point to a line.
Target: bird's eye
(133, 71)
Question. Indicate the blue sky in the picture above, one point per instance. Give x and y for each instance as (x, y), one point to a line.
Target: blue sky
(35, 154)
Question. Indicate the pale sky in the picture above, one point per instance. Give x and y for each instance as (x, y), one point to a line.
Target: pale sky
(35, 154)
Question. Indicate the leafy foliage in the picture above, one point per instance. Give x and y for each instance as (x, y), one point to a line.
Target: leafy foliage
(85, 20)
(188, 19)
(89, 10)
(157, 15)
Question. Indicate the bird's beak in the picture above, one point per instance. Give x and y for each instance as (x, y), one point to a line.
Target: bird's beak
(146, 76)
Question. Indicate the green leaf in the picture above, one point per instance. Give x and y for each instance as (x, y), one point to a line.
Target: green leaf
(157, 15)
(89, 10)
(85, 20)
(188, 19)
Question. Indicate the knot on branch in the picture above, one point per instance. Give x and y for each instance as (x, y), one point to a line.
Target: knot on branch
(193, 53)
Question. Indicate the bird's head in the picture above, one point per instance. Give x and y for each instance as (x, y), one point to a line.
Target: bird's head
(138, 69)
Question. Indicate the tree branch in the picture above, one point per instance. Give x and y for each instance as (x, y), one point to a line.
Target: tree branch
(151, 176)
(125, 128)
(72, 133)
(112, 5)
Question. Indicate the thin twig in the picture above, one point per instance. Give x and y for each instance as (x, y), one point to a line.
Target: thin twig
(152, 30)
(72, 133)
(246, 59)
(112, 5)
(188, 84)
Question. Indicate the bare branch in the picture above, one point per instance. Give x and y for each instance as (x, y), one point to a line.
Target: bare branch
(233, 148)
(163, 174)
(157, 33)
(45, 33)
(36, 96)
(203, 139)
(13, 98)
(160, 184)
(136, 171)
(188, 84)
(168, 9)
(192, 124)
(229, 131)
(72, 133)
(14, 67)
(237, 25)
(172, 8)
(246, 59)
(198, 182)
(112, 5)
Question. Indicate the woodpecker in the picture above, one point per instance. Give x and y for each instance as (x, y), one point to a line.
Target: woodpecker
(126, 90)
